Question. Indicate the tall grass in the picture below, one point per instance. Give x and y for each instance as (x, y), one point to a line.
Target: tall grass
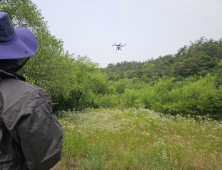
(139, 139)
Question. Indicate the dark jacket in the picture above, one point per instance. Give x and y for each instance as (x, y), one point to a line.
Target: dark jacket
(30, 136)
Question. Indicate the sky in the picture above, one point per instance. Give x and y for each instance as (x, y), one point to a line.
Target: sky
(149, 28)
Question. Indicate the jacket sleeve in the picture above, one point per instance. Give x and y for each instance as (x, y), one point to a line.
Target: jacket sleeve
(37, 130)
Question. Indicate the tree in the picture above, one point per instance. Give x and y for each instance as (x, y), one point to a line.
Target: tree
(51, 65)
(193, 63)
(148, 72)
(88, 80)
(218, 78)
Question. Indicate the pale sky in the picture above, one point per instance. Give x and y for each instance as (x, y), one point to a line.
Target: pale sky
(149, 28)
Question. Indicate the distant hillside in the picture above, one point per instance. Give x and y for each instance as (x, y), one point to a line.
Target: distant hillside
(197, 58)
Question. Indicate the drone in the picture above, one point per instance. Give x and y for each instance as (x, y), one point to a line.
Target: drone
(118, 46)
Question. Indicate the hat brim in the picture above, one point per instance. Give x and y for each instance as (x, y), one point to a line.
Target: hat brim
(25, 46)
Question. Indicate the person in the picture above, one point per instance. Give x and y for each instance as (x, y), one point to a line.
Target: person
(30, 136)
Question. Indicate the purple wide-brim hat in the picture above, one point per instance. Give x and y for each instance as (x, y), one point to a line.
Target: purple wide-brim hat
(16, 43)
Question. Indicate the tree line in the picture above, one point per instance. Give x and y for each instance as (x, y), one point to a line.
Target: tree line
(198, 58)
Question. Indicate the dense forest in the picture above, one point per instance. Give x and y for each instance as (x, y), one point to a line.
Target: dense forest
(187, 83)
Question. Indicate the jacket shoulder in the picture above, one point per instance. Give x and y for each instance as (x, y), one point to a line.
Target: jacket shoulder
(14, 91)
(17, 85)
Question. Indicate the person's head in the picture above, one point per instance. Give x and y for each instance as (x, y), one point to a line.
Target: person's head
(16, 44)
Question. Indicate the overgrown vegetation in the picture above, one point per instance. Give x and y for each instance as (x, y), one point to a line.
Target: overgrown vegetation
(188, 97)
(139, 139)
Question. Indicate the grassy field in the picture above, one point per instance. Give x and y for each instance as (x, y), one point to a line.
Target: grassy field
(139, 139)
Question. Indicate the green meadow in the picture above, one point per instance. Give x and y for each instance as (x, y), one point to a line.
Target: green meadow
(138, 139)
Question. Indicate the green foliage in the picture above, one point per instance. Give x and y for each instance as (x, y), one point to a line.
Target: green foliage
(23, 13)
(106, 100)
(51, 65)
(218, 77)
(193, 96)
(85, 82)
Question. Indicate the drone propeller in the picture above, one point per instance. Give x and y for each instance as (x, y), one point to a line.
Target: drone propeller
(118, 45)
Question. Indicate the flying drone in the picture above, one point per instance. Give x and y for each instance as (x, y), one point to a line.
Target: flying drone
(118, 46)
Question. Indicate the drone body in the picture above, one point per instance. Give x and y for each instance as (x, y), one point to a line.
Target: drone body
(118, 46)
